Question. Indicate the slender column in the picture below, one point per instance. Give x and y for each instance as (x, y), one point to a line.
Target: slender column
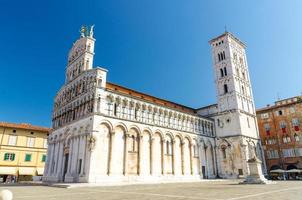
(163, 147)
(173, 157)
(57, 157)
(191, 159)
(84, 155)
(182, 158)
(152, 156)
(199, 160)
(206, 161)
(140, 154)
(70, 156)
(110, 162)
(60, 155)
(126, 153)
(74, 155)
(52, 159)
(76, 162)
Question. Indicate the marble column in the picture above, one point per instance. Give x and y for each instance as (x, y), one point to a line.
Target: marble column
(163, 147)
(199, 159)
(60, 161)
(70, 156)
(57, 157)
(111, 147)
(152, 156)
(140, 154)
(173, 157)
(84, 140)
(206, 162)
(182, 158)
(126, 138)
(191, 158)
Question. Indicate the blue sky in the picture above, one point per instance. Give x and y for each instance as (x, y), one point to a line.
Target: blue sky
(153, 46)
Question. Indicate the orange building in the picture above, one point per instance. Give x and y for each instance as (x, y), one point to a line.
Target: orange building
(281, 135)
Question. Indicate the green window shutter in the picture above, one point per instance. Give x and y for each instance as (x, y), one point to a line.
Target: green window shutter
(6, 156)
(13, 157)
(27, 157)
(43, 158)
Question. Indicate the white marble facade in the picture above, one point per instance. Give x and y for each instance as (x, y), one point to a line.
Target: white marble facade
(107, 133)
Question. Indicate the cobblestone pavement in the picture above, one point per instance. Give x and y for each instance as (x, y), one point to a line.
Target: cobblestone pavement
(212, 190)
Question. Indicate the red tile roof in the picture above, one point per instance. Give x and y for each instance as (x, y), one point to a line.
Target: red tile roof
(24, 126)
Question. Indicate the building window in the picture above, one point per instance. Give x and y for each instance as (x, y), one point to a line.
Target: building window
(110, 108)
(267, 129)
(225, 71)
(27, 157)
(298, 152)
(242, 89)
(12, 140)
(297, 138)
(272, 154)
(30, 142)
(288, 153)
(286, 139)
(264, 116)
(225, 88)
(221, 56)
(283, 126)
(9, 156)
(43, 158)
(221, 73)
(240, 172)
(295, 122)
(280, 112)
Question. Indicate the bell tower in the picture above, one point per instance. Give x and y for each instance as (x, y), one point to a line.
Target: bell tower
(233, 87)
(80, 56)
(235, 116)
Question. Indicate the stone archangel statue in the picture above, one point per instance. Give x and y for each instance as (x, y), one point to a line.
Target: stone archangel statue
(84, 31)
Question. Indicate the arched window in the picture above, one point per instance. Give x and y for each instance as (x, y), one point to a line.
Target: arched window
(225, 71)
(115, 109)
(297, 138)
(223, 55)
(225, 88)
(221, 72)
(219, 58)
(242, 89)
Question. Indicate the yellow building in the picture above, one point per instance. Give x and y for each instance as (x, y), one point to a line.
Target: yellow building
(23, 150)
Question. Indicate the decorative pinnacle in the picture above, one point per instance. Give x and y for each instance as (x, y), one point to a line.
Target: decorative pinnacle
(84, 31)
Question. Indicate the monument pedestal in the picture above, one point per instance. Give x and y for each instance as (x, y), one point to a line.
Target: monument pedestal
(256, 175)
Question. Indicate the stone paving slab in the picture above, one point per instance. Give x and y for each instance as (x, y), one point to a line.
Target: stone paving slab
(213, 190)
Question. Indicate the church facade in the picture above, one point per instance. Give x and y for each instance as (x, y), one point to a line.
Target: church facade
(103, 132)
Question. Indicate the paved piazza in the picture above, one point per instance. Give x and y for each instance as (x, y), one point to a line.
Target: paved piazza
(210, 190)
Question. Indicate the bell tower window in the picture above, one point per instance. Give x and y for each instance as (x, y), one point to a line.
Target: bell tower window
(225, 88)
(221, 73)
